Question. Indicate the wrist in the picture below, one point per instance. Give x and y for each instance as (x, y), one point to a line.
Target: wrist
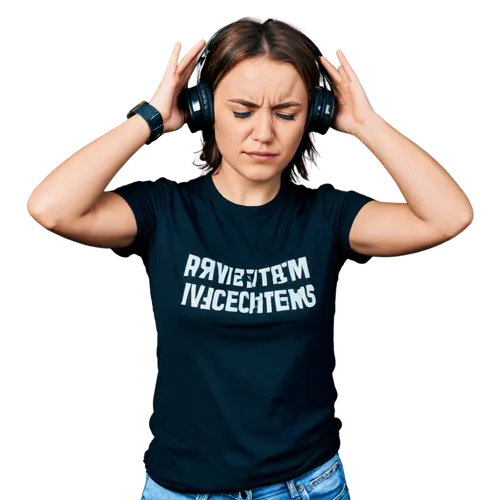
(158, 108)
(374, 120)
(151, 116)
(140, 126)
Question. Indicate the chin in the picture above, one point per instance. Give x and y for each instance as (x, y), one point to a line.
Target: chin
(260, 172)
(255, 171)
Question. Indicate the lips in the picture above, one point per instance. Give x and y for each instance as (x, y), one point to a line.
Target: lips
(260, 157)
(256, 153)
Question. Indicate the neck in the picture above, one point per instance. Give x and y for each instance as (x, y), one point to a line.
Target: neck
(242, 190)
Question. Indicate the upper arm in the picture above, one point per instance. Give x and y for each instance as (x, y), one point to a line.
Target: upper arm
(110, 223)
(388, 229)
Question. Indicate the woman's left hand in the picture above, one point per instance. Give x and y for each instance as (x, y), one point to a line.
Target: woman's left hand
(353, 107)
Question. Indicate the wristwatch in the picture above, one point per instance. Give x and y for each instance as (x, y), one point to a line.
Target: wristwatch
(152, 116)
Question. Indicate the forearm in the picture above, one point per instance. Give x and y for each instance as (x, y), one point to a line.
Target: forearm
(429, 190)
(73, 188)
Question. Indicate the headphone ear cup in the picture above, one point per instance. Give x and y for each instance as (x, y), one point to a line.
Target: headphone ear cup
(189, 101)
(315, 104)
(327, 110)
(321, 111)
(198, 101)
(207, 105)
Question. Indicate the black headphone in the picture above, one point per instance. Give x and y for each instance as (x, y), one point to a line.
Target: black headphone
(198, 100)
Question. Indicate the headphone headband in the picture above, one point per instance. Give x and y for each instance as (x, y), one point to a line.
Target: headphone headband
(205, 53)
(316, 49)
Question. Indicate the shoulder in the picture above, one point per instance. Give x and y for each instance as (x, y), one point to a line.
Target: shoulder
(146, 189)
(159, 184)
(334, 201)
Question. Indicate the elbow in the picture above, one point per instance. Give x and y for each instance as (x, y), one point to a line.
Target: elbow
(463, 224)
(468, 219)
(39, 216)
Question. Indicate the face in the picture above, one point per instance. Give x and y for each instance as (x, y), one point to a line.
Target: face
(240, 128)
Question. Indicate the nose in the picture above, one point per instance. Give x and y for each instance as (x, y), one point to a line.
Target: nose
(263, 126)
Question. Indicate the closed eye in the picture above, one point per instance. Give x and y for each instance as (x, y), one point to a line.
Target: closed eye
(248, 113)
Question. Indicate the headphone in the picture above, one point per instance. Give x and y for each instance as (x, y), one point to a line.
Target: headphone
(198, 100)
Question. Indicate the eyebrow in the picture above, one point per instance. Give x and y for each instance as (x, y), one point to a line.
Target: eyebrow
(253, 105)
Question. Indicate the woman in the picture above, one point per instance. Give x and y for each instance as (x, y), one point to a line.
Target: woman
(243, 263)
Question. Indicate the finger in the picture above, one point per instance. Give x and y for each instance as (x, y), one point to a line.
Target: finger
(342, 72)
(188, 71)
(191, 57)
(349, 71)
(337, 77)
(173, 58)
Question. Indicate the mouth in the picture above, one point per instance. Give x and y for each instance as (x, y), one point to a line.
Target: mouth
(260, 156)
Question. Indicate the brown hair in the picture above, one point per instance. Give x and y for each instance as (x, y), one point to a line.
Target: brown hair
(249, 38)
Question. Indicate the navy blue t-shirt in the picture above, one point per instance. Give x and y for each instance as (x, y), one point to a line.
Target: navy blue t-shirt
(244, 301)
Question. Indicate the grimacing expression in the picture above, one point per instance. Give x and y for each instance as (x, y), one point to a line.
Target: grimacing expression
(240, 128)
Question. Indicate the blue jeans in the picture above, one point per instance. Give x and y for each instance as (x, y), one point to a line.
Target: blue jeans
(325, 482)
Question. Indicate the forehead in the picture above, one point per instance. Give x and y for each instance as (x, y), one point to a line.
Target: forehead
(253, 77)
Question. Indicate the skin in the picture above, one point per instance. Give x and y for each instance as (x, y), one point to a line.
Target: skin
(240, 178)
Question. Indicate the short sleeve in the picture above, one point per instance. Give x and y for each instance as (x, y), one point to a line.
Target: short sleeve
(340, 208)
(147, 199)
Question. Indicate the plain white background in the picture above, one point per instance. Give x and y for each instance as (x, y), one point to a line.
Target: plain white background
(138, 482)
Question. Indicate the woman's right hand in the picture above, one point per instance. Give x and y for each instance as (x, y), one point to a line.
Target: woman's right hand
(166, 97)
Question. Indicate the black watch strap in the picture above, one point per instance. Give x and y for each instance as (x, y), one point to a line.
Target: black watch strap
(152, 116)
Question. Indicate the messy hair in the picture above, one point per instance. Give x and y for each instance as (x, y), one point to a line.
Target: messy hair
(278, 41)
